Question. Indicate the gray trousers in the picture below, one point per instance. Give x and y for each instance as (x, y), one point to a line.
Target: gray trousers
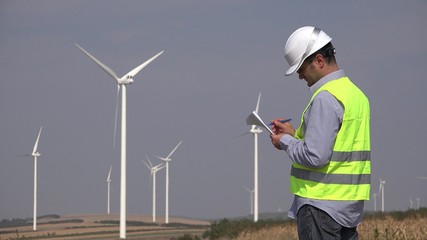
(315, 224)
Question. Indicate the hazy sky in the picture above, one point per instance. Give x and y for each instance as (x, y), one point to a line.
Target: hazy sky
(218, 56)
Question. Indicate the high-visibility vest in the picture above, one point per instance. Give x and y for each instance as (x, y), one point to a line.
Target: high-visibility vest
(347, 175)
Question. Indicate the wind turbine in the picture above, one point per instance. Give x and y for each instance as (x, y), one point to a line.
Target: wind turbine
(375, 202)
(381, 189)
(251, 196)
(167, 160)
(255, 131)
(418, 203)
(35, 155)
(121, 84)
(154, 170)
(109, 190)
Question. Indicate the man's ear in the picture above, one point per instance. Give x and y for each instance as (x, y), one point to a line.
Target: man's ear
(319, 60)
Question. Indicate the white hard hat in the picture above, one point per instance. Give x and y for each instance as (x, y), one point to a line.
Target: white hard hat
(301, 44)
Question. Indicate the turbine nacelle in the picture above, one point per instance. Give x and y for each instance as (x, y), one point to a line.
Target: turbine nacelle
(168, 158)
(36, 154)
(125, 80)
(157, 168)
(164, 159)
(255, 129)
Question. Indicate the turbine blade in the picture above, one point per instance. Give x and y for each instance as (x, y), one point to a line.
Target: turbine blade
(140, 67)
(163, 166)
(146, 164)
(37, 141)
(149, 162)
(117, 113)
(161, 158)
(109, 174)
(257, 103)
(103, 66)
(241, 135)
(159, 165)
(256, 109)
(170, 154)
(247, 189)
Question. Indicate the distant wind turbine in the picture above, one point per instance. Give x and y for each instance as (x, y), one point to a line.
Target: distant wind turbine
(418, 203)
(109, 190)
(35, 155)
(121, 84)
(251, 196)
(154, 170)
(375, 202)
(255, 131)
(381, 189)
(167, 160)
(425, 178)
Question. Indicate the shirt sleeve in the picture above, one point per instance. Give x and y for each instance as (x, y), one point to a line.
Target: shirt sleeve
(322, 121)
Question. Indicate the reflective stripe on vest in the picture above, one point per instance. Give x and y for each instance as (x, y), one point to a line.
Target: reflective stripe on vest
(347, 175)
(331, 178)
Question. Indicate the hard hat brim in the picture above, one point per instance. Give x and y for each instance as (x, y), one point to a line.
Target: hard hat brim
(293, 68)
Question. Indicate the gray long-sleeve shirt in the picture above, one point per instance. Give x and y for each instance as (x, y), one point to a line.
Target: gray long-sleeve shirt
(322, 121)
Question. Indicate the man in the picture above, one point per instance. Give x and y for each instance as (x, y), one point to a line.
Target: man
(330, 151)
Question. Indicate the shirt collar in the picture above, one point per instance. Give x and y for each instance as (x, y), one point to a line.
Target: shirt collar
(331, 76)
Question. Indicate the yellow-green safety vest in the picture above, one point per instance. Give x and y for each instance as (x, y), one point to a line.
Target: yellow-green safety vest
(347, 174)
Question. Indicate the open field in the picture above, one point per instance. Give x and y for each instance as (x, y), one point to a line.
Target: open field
(411, 224)
(380, 226)
(101, 226)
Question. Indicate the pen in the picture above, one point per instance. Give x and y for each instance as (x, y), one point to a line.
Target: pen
(282, 121)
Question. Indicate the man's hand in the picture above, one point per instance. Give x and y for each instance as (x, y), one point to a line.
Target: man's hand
(279, 129)
(275, 140)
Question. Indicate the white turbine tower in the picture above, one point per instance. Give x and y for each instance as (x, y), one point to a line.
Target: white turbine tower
(418, 203)
(35, 155)
(381, 189)
(167, 160)
(375, 202)
(255, 131)
(121, 84)
(109, 190)
(154, 170)
(251, 196)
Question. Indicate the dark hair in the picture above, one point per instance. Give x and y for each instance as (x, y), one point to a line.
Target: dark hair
(327, 51)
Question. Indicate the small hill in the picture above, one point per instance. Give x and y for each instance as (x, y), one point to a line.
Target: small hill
(102, 226)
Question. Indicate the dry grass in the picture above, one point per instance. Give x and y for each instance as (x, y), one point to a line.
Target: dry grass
(392, 228)
(385, 227)
(288, 231)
